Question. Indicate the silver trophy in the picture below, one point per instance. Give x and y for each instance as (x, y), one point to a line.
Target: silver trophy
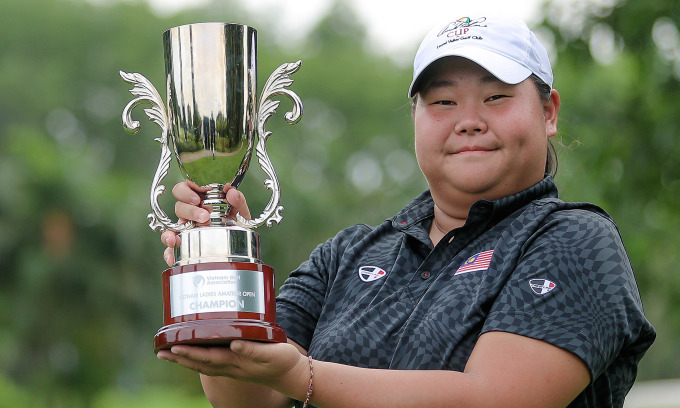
(218, 289)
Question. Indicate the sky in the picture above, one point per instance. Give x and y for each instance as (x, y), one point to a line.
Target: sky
(394, 27)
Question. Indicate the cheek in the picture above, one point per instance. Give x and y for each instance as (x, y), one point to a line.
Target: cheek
(531, 145)
(430, 129)
(420, 132)
(525, 130)
(424, 144)
(420, 146)
(426, 141)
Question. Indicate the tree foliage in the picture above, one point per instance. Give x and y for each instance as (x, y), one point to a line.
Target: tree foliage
(80, 294)
(618, 76)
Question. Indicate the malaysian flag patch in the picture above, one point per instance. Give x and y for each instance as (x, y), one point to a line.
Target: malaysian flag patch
(478, 262)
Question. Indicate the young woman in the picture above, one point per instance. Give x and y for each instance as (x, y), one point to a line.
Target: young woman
(492, 291)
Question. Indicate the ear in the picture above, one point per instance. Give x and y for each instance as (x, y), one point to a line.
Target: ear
(551, 110)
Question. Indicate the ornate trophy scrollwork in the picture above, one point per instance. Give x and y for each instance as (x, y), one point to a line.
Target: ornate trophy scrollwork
(145, 92)
(277, 84)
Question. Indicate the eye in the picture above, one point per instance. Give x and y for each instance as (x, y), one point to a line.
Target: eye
(444, 102)
(496, 98)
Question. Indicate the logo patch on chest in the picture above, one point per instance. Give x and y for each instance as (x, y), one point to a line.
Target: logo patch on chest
(477, 262)
(541, 286)
(371, 273)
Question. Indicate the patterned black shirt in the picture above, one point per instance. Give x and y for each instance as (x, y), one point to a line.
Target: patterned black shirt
(529, 264)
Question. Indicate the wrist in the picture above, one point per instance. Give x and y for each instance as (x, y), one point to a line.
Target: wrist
(310, 387)
(295, 382)
(304, 377)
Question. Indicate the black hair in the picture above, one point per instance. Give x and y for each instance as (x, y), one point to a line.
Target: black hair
(544, 93)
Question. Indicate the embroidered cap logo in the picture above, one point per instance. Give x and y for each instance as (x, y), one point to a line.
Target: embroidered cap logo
(461, 26)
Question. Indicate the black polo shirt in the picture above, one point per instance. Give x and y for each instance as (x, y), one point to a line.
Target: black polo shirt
(530, 264)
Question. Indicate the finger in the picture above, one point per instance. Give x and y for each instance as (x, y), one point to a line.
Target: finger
(191, 212)
(170, 239)
(188, 192)
(184, 361)
(196, 187)
(169, 256)
(237, 201)
(204, 355)
(209, 361)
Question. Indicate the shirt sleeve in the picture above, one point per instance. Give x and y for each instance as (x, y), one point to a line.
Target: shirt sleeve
(573, 287)
(301, 297)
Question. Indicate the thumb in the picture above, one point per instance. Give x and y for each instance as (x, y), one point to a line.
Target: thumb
(262, 352)
(246, 349)
(238, 201)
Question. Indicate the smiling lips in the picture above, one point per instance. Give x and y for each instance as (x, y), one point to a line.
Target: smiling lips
(473, 149)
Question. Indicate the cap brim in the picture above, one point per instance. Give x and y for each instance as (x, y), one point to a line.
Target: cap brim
(502, 67)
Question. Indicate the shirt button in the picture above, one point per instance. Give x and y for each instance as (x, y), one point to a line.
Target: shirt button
(484, 206)
(425, 275)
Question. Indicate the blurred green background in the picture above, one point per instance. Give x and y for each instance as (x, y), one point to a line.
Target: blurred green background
(80, 293)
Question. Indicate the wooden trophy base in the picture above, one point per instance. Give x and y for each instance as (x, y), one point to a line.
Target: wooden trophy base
(216, 332)
(211, 304)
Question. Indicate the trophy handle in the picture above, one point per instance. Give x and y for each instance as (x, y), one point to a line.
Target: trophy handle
(276, 85)
(145, 92)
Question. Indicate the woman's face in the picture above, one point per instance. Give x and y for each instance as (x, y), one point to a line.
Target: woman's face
(477, 137)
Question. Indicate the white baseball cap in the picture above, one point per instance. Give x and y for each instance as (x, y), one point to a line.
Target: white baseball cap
(502, 45)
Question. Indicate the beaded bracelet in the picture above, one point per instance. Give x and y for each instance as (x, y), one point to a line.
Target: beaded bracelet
(311, 382)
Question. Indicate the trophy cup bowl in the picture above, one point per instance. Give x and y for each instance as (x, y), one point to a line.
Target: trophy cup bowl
(218, 289)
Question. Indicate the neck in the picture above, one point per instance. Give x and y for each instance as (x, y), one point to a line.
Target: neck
(443, 223)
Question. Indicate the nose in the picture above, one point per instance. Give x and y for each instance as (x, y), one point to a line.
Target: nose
(470, 122)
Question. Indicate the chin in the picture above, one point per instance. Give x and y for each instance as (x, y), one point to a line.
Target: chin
(483, 190)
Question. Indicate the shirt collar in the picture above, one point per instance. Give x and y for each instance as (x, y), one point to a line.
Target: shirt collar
(422, 207)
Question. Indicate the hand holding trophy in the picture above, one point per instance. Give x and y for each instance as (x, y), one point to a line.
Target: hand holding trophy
(218, 289)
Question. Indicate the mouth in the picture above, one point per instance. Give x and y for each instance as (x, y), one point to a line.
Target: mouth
(468, 150)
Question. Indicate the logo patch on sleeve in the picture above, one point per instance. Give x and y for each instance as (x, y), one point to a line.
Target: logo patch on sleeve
(541, 286)
(371, 273)
(477, 262)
